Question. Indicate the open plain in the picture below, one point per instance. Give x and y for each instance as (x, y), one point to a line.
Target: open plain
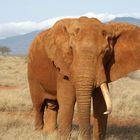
(16, 111)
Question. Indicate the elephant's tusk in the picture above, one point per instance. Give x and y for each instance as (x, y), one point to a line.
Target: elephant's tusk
(107, 98)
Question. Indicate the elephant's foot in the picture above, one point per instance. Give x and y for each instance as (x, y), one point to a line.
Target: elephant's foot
(50, 121)
(85, 135)
(84, 138)
(67, 136)
(64, 136)
(64, 129)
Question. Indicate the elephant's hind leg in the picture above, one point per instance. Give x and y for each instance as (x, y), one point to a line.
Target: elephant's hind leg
(38, 102)
(51, 116)
(39, 115)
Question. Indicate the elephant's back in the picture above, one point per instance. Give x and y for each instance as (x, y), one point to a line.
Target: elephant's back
(40, 66)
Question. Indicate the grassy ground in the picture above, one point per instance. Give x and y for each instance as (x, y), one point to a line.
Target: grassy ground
(16, 112)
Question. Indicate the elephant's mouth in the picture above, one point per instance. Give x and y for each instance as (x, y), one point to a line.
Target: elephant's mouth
(107, 98)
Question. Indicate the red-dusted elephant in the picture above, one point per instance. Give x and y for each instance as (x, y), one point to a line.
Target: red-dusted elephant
(64, 66)
(70, 61)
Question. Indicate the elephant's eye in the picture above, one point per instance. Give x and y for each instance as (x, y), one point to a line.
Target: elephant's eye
(104, 33)
(70, 47)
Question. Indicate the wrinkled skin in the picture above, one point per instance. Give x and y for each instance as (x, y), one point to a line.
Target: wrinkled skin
(65, 65)
(118, 27)
(68, 61)
(126, 52)
(125, 58)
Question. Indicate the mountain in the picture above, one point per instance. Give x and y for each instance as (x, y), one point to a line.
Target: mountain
(128, 19)
(19, 44)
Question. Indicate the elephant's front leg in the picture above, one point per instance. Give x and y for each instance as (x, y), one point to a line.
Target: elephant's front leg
(99, 119)
(66, 101)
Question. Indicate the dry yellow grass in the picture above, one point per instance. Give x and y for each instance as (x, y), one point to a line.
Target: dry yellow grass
(16, 117)
(126, 98)
(13, 72)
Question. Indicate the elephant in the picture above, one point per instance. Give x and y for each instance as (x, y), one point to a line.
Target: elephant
(124, 59)
(71, 62)
(65, 65)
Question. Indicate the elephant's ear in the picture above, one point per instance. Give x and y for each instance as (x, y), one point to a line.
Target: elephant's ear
(126, 55)
(117, 28)
(59, 50)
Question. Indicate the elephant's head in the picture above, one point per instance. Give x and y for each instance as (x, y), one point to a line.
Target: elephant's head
(78, 47)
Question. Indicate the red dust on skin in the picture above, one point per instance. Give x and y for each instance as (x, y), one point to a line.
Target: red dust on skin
(7, 87)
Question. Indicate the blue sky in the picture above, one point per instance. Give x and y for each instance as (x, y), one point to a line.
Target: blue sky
(37, 10)
(23, 16)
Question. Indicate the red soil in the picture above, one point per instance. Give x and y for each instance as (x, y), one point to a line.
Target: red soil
(8, 87)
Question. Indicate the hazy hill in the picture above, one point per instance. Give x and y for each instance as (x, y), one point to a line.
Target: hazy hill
(128, 19)
(20, 44)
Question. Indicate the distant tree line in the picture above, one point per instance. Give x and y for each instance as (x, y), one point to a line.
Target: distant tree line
(5, 50)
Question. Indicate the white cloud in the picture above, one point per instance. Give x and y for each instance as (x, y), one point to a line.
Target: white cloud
(104, 17)
(16, 28)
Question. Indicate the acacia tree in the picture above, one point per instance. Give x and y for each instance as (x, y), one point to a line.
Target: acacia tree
(5, 50)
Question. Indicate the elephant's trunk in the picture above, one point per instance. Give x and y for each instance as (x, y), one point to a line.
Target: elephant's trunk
(84, 86)
(83, 96)
(84, 78)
